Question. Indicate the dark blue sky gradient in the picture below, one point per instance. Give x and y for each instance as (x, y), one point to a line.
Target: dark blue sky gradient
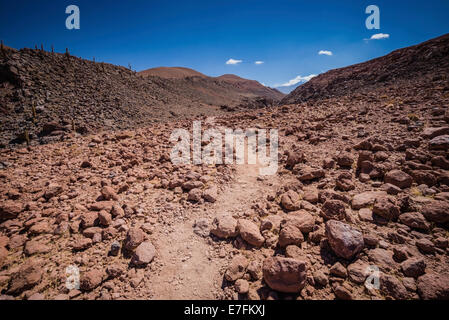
(203, 35)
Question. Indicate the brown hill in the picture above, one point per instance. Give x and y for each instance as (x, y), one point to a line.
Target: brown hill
(419, 64)
(171, 73)
(228, 85)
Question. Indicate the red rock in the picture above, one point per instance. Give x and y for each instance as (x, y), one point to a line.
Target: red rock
(10, 209)
(414, 267)
(290, 235)
(392, 287)
(433, 286)
(237, 268)
(105, 218)
(82, 244)
(53, 190)
(250, 232)
(301, 219)
(89, 219)
(241, 286)
(345, 241)
(36, 247)
(210, 194)
(436, 211)
(224, 227)
(144, 254)
(290, 201)
(439, 143)
(344, 182)
(366, 199)
(195, 195)
(386, 207)
(399, 179)
(333, 209)
(29, 274)
(40, 228)
(345, 159)
(430, 133)
(91, 279)
(134, 238)
(414, 220)
(108, 193)
(284, 274)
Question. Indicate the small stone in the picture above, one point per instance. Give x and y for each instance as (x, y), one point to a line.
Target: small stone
(108, 193)
(134, 238)
(115, 249)
(250, 233)
(144, 254)
(237, 268)
(241, 286)
(224, 227)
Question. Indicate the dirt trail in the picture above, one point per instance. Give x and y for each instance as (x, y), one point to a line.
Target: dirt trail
(190, 271)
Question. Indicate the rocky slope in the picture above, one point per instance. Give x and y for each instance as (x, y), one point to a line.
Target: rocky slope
(44, 95)
(361, 194)
(413, 67)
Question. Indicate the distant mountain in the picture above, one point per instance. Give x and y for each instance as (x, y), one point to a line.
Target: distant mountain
(288, 89)
(225, 85)
(414, 66)
(172, 73)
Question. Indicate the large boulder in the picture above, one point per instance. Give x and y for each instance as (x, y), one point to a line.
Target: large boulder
(436, 211)
(29, 274)
(285, 274)
(345, 241)
(10, 210)
(399, 179)
(439, 143)
(433, 286)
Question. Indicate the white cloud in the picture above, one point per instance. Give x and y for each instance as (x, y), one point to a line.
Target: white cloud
(325, 52)
(297, 80)
(233, 61)
(380, 36)
(259, 62)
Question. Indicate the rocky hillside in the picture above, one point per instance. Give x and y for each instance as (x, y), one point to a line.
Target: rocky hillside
(412, 67)
(44, 94)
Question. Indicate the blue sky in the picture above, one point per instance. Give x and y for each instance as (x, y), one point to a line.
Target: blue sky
(203, 35)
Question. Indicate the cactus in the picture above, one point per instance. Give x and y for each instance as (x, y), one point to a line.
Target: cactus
(33, 108)
(2, 48)
(67, 53)
(52, 49)
(42, 47)
(27, 137)
(129, 66)
(73, 125)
